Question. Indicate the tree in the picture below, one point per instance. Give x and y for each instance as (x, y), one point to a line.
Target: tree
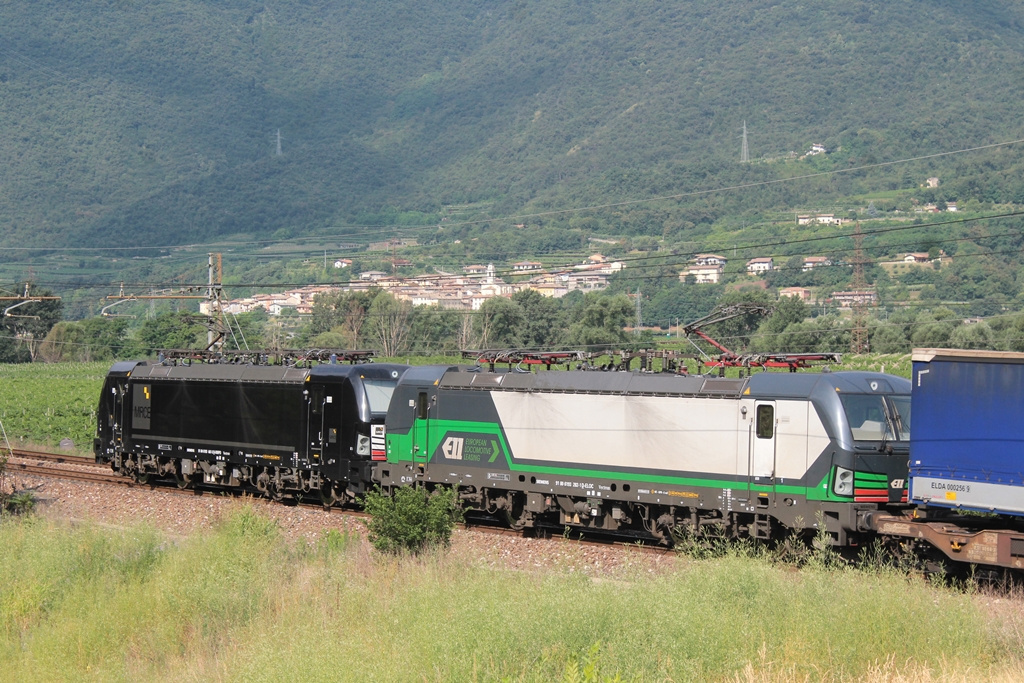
(600, 320)
(1013, 336)
(823, 334)
(888, 338)
(344, 313)
(544, 320)
(787, 311)
(682, 303)
(433, 329)
(388, 322)
(930, 331)
(171, 331)
(97, 338)
(11, 350)
(973, 336)
(246, 330)
(27, 326)
(499, 322)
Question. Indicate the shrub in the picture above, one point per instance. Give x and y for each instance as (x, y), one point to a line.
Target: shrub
(411, 520)
(18, 503)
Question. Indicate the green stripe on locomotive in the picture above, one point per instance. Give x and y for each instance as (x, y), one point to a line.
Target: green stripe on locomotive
(492, 452)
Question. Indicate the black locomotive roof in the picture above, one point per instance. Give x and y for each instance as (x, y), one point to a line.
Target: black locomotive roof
(764, 384)
(123, 368)
(849, 381)
(222, 372)
(230, 372)
(365, 370)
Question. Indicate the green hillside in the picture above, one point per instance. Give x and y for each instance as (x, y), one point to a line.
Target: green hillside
(156, 123)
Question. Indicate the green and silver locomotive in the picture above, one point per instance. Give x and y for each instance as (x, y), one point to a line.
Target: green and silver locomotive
(646, 454)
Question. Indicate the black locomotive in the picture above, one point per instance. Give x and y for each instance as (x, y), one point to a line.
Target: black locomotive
(277, 430)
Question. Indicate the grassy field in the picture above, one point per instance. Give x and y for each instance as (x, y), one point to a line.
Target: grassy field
(41, 404)
(241, 603)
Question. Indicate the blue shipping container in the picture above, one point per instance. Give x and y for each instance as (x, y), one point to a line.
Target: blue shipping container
(967, 440)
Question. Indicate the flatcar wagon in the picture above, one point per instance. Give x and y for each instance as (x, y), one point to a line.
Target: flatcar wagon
(281, 431)
(646, 454)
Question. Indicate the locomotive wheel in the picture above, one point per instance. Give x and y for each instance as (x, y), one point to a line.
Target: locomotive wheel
(183, 481)
(141, 478)
(327, 495)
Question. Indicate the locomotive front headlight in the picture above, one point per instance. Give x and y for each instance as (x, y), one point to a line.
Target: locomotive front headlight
(843, 485)
(362, 445)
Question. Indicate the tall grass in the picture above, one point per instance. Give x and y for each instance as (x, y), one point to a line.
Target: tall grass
(241, 603)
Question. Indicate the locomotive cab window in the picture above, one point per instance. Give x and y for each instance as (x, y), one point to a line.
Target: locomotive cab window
(765, 421)
(378, 392)
(874, 417)
(901, 409)
(421, 406)
(316, 400)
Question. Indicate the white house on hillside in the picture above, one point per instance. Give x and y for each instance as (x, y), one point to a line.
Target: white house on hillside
(815, 262)
(761, 264)
(703, 275)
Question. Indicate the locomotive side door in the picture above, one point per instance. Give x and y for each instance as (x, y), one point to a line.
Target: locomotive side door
(316, 408)
(421, 428)
(120, 411)
(762, 443)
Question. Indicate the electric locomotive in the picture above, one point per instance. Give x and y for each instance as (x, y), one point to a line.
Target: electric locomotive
(277, 430)
(646, 454)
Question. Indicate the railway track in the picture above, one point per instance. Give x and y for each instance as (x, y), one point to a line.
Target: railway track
(76, 468)
(60, 458)
(64, 473)
(70, 467)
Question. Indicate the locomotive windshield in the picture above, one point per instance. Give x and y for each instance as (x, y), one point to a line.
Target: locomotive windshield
(378, 392)
(874, 417)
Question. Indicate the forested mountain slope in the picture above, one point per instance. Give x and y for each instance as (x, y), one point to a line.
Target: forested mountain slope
(156, 123)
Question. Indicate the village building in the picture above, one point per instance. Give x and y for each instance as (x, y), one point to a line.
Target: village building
(709, 260)
(761, 264)
(802, 293)
(587, 282)
(820, 218)
(917, 257)
(703, 275)
(811, 262)
(854, 298)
